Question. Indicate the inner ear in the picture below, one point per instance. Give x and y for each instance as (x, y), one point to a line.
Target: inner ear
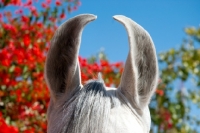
(62, 71)
(140, 75)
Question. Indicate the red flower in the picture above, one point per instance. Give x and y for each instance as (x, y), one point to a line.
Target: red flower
(6, 80)
(39, 24)
(36, 51)
(62, 16)
(20, 55)
(118, 64)
(26, 40)
(160, 92)
(75, 8)
(29, 3)
(4, 128)
(44, 5)
(32, 130)
(5, 58)
(33, 10)
(17, 71)
(104, 63)
(48, 1)
(30, 56)
(58, 3)
(6, 62)
(11, 45)
(78, 3)
(83, 62)
(15, 2)
(10, 28)
(1, 16)
(20, 11)
(25, 19)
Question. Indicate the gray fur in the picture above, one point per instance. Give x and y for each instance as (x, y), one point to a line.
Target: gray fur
(95, 108)
(62, 68)
(92, 109)
(139, 79)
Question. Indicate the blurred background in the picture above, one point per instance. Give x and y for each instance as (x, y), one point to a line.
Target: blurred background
(27, 26)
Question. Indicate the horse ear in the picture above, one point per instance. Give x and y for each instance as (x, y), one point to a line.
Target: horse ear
(140, 76)
(62, 71)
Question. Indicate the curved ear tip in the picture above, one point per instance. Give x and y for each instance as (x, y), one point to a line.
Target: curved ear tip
(119, 17)
(90, 16)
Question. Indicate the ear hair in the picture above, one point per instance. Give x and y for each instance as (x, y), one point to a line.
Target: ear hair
(140, 75)
(62, 71)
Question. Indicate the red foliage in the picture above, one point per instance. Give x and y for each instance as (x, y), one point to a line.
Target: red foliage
(58, 3)
(4, 128)
(24, 95)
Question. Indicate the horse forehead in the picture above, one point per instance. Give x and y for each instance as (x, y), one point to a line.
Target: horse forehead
(122, 120)
(132, 121)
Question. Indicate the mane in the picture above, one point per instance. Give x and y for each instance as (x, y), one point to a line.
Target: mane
(92, 107)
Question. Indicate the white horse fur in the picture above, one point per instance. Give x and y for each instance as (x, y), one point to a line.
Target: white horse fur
(95, 108)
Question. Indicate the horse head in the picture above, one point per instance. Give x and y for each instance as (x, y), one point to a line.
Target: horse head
(93, 107)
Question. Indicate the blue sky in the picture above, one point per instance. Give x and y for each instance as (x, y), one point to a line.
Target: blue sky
(164, 20)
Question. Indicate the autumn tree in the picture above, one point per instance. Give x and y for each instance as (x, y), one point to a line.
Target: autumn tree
(172, 108)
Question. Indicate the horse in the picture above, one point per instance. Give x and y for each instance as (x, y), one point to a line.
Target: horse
(93, 107)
